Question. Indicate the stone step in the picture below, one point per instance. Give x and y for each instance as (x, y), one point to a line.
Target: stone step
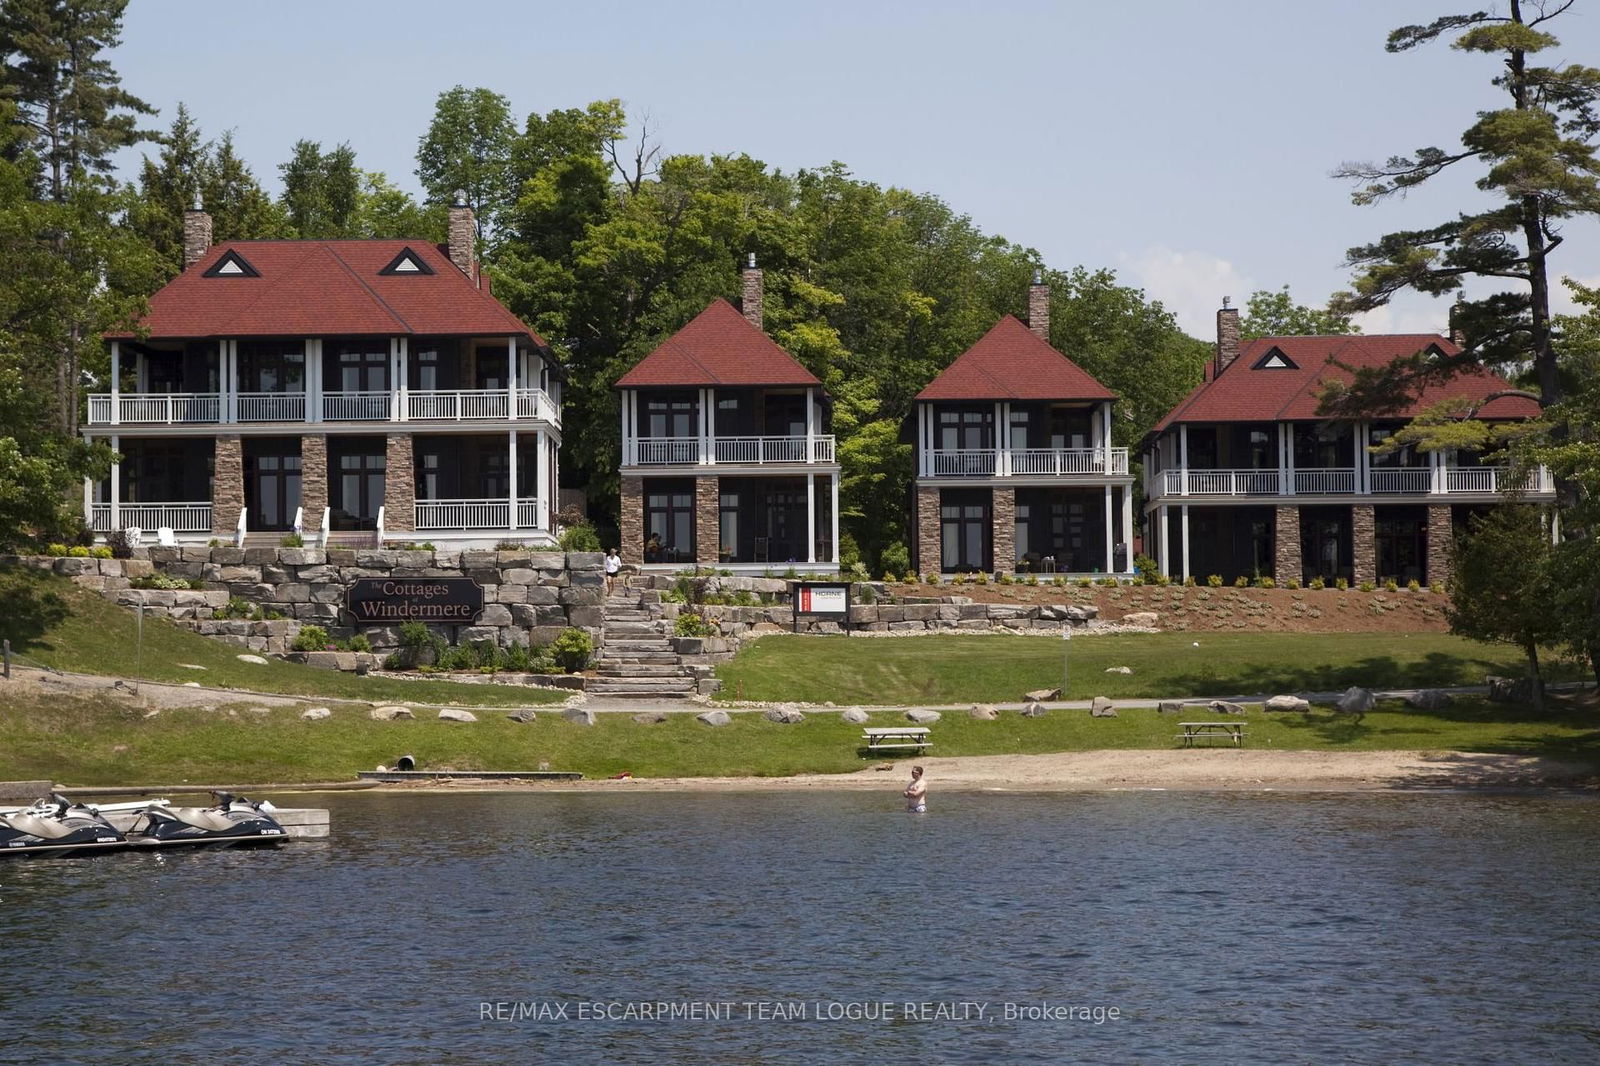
(642, 687)
(642, 670)
(637, 625)
(637, 642)
(663, 659)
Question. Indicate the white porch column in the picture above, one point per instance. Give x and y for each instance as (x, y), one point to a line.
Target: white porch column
(512, 490)
(1162, 540)
(400, 391)
(1105, 434)
(309, 386)
(811, 431)
(834, 481)
(228, 363)
(1363, 460)
(88, 499)
(1110, 535)
(811, 518)
(625, 437)
(116, 383)
(394, 373)
(1183, 479)
(1127, 522)
(1183, 537)
(141, 373)
(541, 479)
(511, 378)
(1288, 458)
(925, 440)
(1000, 441)
(706, 452)
(116, 488)
(1436, 475)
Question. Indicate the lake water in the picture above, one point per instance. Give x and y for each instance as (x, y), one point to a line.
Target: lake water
(1154, 927)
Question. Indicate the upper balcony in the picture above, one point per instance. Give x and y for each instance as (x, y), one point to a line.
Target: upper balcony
(448, 405)
(1443, 479)
(754, 451)
(1029, 462)
(756, 427)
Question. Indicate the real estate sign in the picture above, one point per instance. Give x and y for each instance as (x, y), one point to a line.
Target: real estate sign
(822, 598)
(385, 600)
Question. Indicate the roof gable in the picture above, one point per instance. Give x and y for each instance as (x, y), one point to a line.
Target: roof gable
(1274, 359)
(231, 265)
(407, 262)
(1292, 392)
(1011, 363)
(718, 347)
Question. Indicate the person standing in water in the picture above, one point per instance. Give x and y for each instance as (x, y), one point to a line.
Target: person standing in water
(916, 792)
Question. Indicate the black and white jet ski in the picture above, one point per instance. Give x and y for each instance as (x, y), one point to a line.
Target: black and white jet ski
(231, 820)
(57, 825)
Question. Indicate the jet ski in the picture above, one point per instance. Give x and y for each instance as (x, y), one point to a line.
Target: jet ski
(231, 820)
(57, 825)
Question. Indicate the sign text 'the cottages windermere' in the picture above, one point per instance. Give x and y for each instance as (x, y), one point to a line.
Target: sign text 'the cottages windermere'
(453, 600)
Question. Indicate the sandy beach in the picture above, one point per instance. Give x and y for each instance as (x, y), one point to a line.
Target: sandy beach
(1183, 770)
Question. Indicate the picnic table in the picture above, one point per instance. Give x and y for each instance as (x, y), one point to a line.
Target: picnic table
(1193, 731)
(900, 737)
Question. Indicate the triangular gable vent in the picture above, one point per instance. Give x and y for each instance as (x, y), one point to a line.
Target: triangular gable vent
(232, 265)
(1275, 360)
(407, 262)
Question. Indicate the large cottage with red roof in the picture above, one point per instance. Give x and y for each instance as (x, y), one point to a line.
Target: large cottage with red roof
(1016, 470)
(343, 390)
(727, 458)
(1245, 479)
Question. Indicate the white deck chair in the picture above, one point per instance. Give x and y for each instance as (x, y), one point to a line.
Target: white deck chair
(166, 538)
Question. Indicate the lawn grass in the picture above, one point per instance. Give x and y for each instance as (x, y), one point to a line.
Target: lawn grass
(80, 742)
(944, 670)
(51, 621)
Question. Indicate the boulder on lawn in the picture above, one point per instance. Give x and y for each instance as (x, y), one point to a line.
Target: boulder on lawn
(714, 718)
(1509, 690)
(783, 715)
(1356, 700)
(983, 712)
(450, 714)
(1042, 695)
(1119, 669)
(316, 714)
(922, 717)
(1082, 612)
(390, 712)
(1224, 707)
(1429, 699)
(1100, 707)
(854, 716)
(578, 715)
(254, 660)
(1287, 703)
(650, 717)
(1143, 619)
(1034, 709)
(1170, 707)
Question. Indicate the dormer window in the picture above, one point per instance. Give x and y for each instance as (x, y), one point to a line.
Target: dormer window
(1275, 359)
(232, 265)
(407, 262)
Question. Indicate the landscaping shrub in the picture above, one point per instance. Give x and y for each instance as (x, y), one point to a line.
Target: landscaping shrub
(1266, 583)
(1215, 581)
(849, 552)
(930, 578)
(1413, 585)
(162, 581)
(1085, 582)
(1005, 578)
(896, 559)
(510, 546)
(293, 540)
(310, 638)
(1318, 584)
(692, 624)
(572, 649)
(1292, 583)
(579, 538)
(517, 659)
(1241, 582)
(1189, 582)
(1145, 566)
(1367, 586)
(120, 543)
(55, 549)
(980, 578)
(1341, 584)
(359, 642)
(420, 646)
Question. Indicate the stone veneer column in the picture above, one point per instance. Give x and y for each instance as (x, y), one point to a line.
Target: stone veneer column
(1441, 544)
(399, 486)
(1287, 564)
(707, 520)
(1003, 523)
(927, 533)
(227, 485)
(313, 478)
(1363, 544)
(630, 517)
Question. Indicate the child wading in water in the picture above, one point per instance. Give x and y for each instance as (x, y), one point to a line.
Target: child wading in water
(916, 793)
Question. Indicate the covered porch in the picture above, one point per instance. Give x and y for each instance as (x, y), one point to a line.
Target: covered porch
(160, 484)
(483, 482)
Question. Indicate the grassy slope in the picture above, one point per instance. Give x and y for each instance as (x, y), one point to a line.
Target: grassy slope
(50, 620)
(92, 743)
(963, 669)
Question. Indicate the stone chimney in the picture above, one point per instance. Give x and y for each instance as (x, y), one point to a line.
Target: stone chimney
(463, 236)
(754, 292)
(1458, 336)
(1039, 307)
(1227, 335)
(196, 234)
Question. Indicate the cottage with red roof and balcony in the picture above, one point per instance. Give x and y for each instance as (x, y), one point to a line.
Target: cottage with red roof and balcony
(1016, 470)
(343, 390)
(727, 458)
(1245, 478)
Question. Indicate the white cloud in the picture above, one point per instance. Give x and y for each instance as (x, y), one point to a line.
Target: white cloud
(1189, 284)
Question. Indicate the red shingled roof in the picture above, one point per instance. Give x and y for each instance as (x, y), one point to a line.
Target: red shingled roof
(1011, 363)
(719, 346)
(327, 288)
(1243, 394)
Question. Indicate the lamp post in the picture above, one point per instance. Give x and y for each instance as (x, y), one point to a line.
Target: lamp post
(1066, 645)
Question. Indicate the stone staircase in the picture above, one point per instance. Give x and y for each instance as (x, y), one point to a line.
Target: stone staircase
(636, 659)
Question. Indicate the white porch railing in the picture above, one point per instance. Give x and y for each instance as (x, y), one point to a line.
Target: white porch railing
(458, 404)
(759, 449)
(1068, 461)
(358, 406)
(536, 403)
(1400, 480)
(240, 529)
(475, 514)
(1490, 480)
(976, 462)
(154, 408)
(665, 450)
(1233, 482)
(1323, 481)
(272, 407)
(178, 517)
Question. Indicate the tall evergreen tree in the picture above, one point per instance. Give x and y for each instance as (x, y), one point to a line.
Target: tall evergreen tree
(468, 147)
(321, 191)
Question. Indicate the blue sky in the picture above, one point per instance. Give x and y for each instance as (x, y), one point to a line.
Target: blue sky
(1186, 145)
